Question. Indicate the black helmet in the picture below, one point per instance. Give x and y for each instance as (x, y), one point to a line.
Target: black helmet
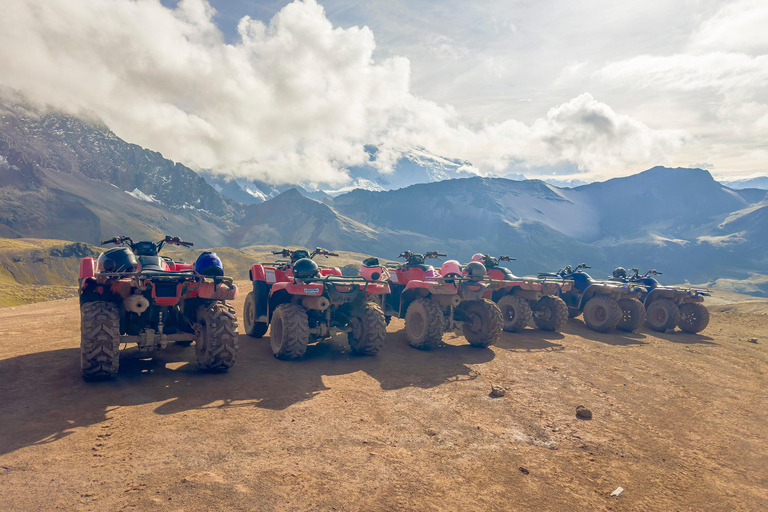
(620, 273)
(118, 259)
(475, 270)
(305, 268)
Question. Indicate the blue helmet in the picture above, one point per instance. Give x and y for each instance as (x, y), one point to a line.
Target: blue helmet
(209, 264)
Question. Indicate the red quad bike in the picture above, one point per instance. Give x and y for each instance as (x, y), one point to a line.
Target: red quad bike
(130, 294)
(523, 298)
(433, 301)
(302, 302)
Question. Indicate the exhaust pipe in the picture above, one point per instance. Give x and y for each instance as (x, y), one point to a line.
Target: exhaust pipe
(136, 304)
(318, 303)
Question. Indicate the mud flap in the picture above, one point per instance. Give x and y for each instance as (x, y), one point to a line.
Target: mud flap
(261, 296)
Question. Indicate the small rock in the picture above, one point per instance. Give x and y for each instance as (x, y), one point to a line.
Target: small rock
(498, 391)
(752, 340)
(523, 470)
(583, 412)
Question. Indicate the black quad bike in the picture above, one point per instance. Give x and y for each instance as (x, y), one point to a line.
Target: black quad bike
(605, 304)
(131, 294)
(668, 306)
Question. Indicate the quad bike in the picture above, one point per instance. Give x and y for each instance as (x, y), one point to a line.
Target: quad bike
(523, 298)
(433, 301)
(605, 304)
(301, 302)
(131, 294)
(668, 306)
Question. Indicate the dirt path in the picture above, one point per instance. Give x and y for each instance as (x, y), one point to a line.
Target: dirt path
(680, 422)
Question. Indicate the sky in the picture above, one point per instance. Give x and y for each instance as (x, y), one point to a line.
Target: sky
(291, 92)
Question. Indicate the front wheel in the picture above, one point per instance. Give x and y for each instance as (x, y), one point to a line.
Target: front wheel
(632, 315)
(290, 331)
(424, 324)
(483, 324)
(694, 317)
(99, 340)
(515, 313)
(369, 328)
(216, 344)
(550, 313)
(601, 314)
(662, 315)
(252, 328)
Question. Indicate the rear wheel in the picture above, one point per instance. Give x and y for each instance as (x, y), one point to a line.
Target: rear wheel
(369, 328)
(550, 313)
(662, 315)
(252, 327)
(216, 345)
(515, 313)
(99, 340)
(424, 324)
(694, 317)
(484, 322)
(290, 331)
(601, 314)
(632, 315)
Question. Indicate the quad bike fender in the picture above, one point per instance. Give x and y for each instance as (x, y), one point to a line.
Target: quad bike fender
(433, 288)
(676, 295)
(270, 274)
(330, 271)
(597, 289)
(313, 289)
(178, 267)
(374, 288)
(221, 291)
(87, 268)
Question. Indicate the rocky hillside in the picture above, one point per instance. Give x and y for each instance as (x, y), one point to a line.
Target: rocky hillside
(68, 177)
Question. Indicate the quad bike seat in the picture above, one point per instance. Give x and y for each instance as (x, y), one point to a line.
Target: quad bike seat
(507, 273)
(581, 280)
(548, 274)
(151, 263)
(420, 266)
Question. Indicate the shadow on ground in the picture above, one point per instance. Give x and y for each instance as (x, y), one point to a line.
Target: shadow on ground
(43, 398)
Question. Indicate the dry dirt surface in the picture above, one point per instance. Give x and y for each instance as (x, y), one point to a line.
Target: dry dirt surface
(679, 421)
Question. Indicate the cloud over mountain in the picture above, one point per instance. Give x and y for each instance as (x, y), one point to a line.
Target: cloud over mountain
(293, 99)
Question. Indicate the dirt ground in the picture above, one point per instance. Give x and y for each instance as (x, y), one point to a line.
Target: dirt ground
(680, 422)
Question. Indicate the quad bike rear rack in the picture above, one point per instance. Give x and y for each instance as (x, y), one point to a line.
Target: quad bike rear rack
(165, 276)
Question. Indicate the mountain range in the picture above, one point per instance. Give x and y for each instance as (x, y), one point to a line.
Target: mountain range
(69, 177)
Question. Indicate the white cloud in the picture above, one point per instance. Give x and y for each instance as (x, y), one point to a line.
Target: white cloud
(292, 100)
(686, 72)
(739, 26)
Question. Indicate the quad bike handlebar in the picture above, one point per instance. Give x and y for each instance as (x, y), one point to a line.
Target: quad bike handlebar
(490, 261)
(293, 256)
(128, 242)
(431, 255)
(568, 270)
(174, 240)
(650, 272)
(319, 251)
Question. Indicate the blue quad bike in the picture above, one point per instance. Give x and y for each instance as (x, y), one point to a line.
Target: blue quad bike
(668, 306)
(604, 304)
